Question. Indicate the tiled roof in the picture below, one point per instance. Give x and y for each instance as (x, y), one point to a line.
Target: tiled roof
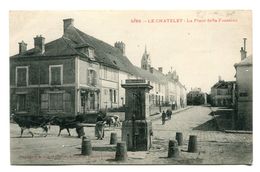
(105, 53)
(58, 47)
(156, 76)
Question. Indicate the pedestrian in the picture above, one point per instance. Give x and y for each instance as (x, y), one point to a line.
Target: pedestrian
(163, 117)
(99, 128)
(170, 114)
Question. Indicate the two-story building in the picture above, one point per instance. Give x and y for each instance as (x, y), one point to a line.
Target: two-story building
(222, 93)
(244, 91)
(196, 97)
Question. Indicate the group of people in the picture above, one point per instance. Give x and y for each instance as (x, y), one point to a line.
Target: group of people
(167, 115)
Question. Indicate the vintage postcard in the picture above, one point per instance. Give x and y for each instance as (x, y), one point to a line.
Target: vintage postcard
(131, 87)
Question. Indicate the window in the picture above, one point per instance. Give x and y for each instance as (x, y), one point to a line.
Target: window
(56, 101)
(21, 102)
(114, 96)
(243, 94)
(56, 74)
(44, 101)
(22, 75)
(91, 53)
(111, 94)
(67, 102)
(92, 78)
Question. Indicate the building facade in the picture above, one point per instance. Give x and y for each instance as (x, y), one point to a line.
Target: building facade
(244, 91)
(222, 93)
(196, 97)
(79, 74)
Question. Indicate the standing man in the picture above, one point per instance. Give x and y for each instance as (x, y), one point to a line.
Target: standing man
(163, 117)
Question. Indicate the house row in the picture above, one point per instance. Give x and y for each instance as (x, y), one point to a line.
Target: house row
(79, 74)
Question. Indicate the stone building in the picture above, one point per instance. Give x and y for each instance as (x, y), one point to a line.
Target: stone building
(222, 93)
(244, 91)
(78, 74)
(196, 97)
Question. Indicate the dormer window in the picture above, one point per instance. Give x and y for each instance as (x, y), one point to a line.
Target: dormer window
(91, 53)
(87, 50)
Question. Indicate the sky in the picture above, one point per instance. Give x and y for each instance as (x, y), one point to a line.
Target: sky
(199, 45)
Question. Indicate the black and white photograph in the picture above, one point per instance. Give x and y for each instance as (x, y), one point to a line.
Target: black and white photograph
(111, 87)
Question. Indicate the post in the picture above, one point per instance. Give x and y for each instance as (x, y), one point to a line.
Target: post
(86, 147)
(192, 146)
(173, 151)
(121, 152)
(179, 138)
(113, 139)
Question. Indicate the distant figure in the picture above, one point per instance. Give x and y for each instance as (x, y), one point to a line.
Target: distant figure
(168, 113)
(163, 117)
(99, 128)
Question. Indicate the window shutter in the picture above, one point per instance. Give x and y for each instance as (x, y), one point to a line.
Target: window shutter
(44, 101)
(67, 102)
(88, 77)
(95, 78)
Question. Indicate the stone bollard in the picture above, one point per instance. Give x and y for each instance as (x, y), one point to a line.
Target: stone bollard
(86, 147)
(192, 146)
(113, 139)
(121, 151)
(179, 138)
(173, 150)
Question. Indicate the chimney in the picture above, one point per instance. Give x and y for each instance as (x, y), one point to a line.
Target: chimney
(67, 23)
(22, 47)
(160, 69)
(39, 43)
(243, 50)
(244, 43)
(219, 78)
(121, 46)
(151, 69)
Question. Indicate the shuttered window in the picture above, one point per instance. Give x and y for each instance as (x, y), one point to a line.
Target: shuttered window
(92, 77)
(56, 101)
(56, 74)
(21, 102)
(67, 102)
(21, 76)
(44, 101)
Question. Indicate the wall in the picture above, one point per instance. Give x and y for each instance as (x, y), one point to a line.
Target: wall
(39, 70)
(38, 77)
(244, 77)
(109, 80)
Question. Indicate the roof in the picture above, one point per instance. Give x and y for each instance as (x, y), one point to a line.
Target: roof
(156, 76)
(223, 84)
(105, 54)
(58, 47)
(245, 62)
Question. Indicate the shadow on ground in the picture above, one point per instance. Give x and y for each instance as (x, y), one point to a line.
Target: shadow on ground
(221, 120)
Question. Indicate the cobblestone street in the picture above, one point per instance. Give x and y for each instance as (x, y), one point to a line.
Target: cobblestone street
(214, 147)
